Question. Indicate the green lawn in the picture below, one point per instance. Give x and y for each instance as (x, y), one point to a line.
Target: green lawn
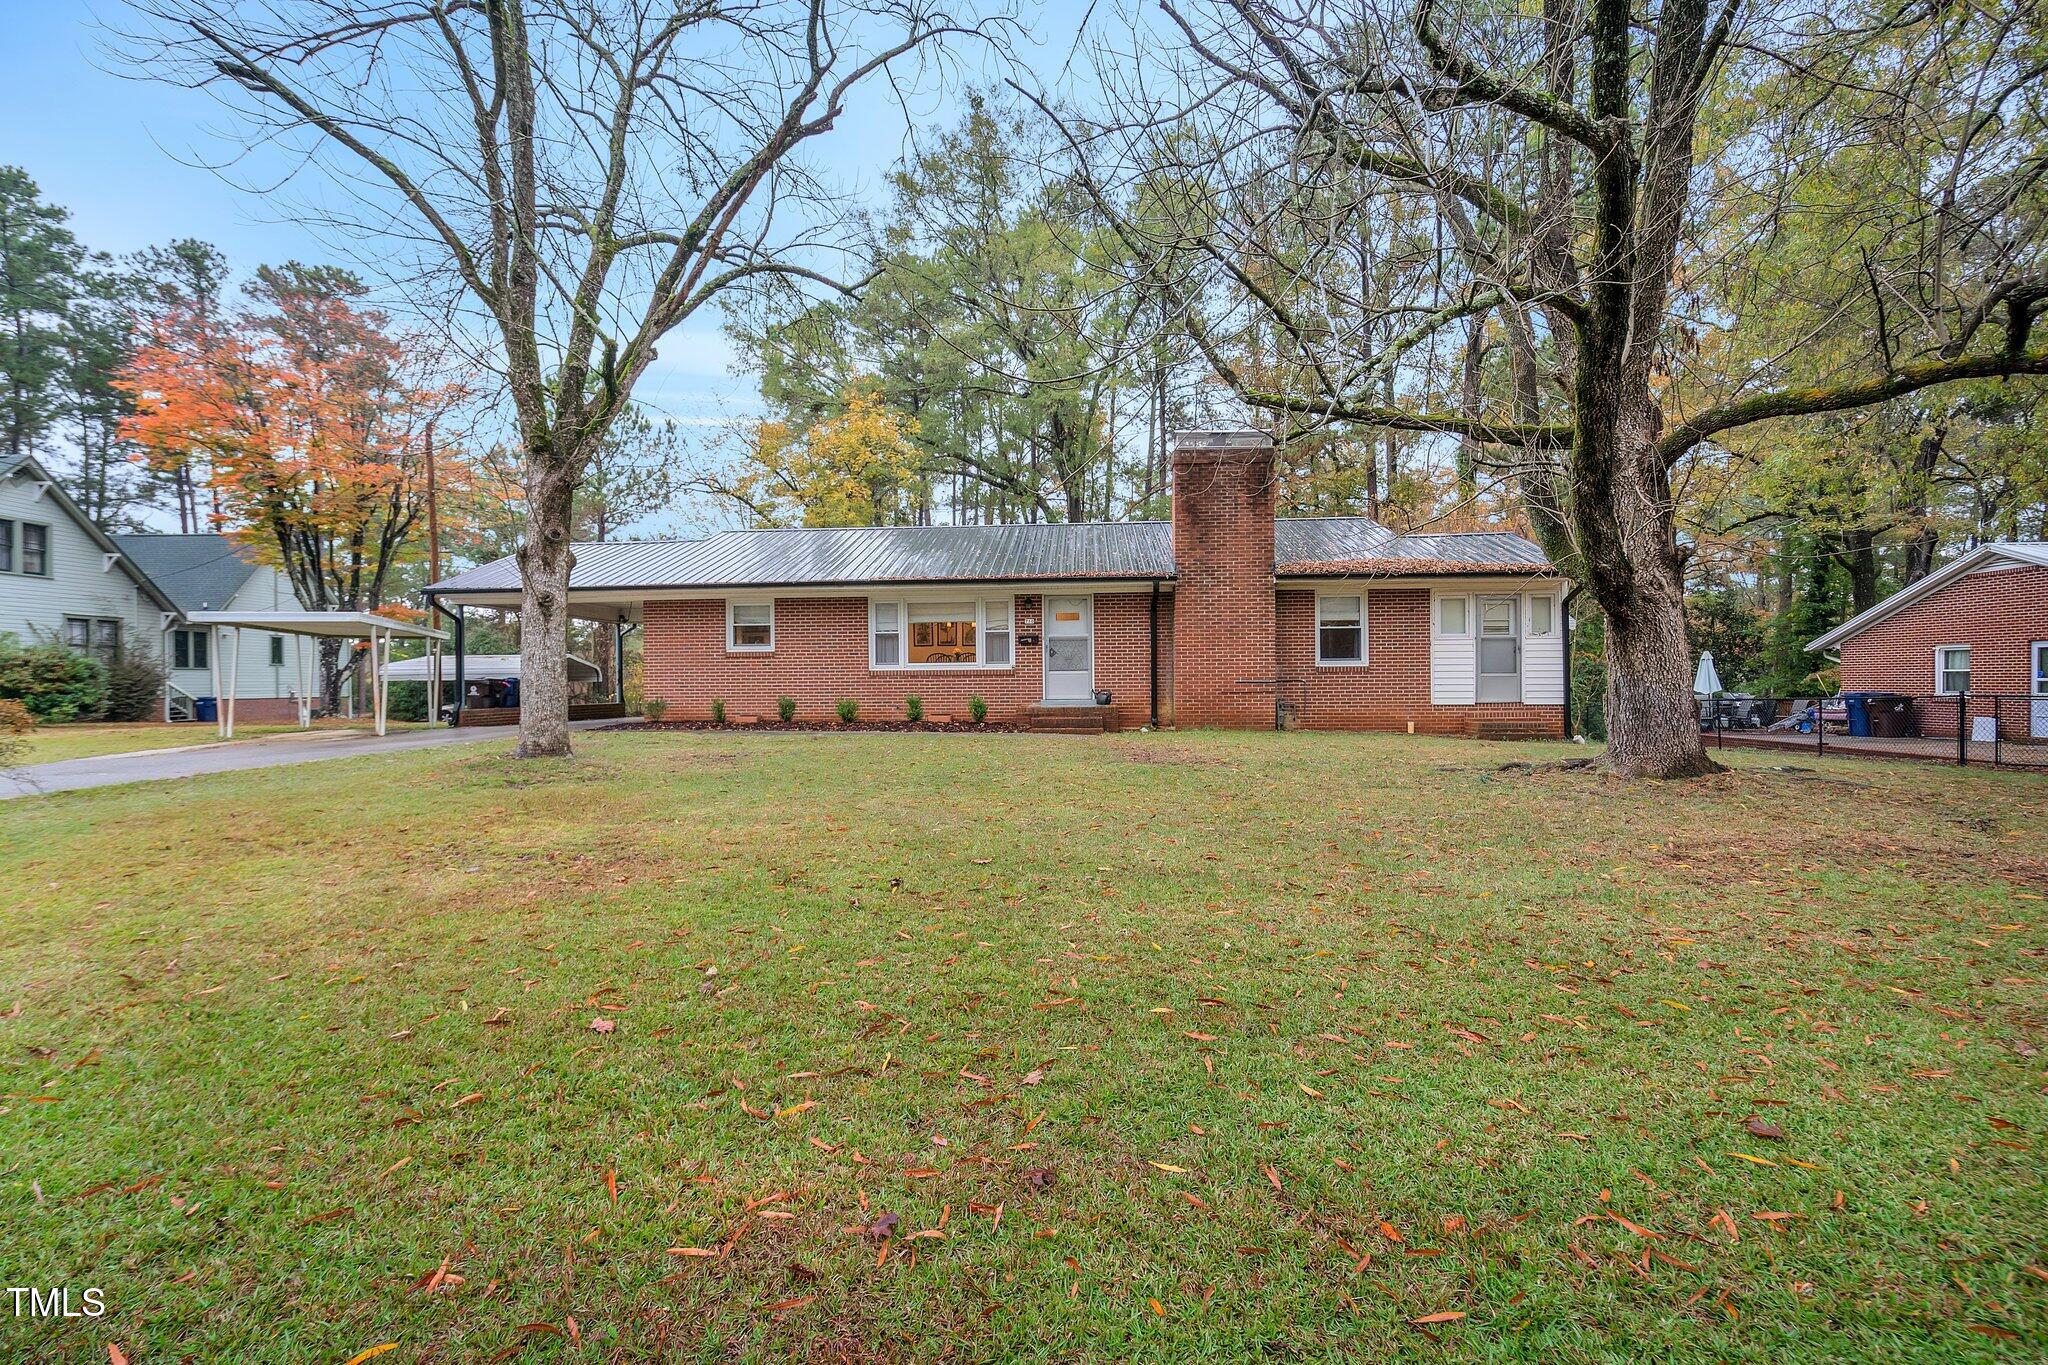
(55, 743)
(1152, 1047)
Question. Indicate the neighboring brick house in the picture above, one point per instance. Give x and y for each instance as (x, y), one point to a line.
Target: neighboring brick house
(1224, 617)
(1976, 626)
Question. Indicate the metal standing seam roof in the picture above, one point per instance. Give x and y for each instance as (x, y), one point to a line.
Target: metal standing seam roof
(197, 572)
(989, 554)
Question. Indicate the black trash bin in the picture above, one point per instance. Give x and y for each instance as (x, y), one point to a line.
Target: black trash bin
(1891, 716)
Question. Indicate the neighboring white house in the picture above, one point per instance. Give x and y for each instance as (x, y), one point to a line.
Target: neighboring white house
(211, 573)
(64, 581)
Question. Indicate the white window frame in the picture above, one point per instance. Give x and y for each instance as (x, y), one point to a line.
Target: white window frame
(981, 616)
(1941, 670)
(731, 646)
(1436, 616)
(1364, 631)
(1529, 615)
(47, 549)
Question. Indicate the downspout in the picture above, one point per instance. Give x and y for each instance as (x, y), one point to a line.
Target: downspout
(1571, 594)
(461, 654)
(1153, 689)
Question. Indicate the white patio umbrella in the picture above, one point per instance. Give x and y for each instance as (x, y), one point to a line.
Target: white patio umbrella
(1707, 681)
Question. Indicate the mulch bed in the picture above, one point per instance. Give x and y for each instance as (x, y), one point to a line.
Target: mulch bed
(922, 726)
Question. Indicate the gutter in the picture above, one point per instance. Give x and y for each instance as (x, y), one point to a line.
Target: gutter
(1571, 595)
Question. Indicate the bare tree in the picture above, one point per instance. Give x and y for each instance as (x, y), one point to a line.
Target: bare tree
(577, 177)
(1544, 165)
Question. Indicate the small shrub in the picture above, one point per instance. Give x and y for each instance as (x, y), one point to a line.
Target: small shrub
(408, 701)
(785, 707)
(135, 685)
(977, 709)
(718, 713)
(15, 724)
(52, 682)
(654, 708)
(913, 709)
(849, 709)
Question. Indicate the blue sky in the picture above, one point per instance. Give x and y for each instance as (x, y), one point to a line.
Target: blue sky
(120, 154)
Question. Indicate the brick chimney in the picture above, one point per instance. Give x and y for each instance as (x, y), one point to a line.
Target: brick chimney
(1223, 630)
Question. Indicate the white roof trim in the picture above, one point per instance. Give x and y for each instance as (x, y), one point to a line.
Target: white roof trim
(2003, 554)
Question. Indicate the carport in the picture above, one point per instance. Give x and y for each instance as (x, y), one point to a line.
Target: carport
(303, 626)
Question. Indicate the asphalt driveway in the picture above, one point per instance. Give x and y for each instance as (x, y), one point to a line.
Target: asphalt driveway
(273, 751)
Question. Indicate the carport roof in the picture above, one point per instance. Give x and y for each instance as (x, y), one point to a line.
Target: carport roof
(346, 625)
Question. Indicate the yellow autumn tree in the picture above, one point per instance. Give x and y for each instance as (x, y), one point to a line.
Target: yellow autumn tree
(859, 467)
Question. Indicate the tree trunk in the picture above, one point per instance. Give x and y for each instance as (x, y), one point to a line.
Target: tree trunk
(1638, 579)
(545, 559)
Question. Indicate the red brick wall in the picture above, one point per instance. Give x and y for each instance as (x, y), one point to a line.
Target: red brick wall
(1223, 552)
(821, 655)
(1393, 688)
(1998, 614)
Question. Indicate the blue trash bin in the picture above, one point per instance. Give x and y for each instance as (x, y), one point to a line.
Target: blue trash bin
(206, 709)
(1859, 713)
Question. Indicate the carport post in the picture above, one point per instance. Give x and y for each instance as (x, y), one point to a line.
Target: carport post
(227, 703)
(299, 662)
(380, 658)
(213, 669)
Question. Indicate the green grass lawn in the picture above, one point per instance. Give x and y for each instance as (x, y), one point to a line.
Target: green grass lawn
(702, 1046)
(55, 743)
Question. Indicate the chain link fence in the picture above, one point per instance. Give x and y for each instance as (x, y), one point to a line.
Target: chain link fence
(2004, 730)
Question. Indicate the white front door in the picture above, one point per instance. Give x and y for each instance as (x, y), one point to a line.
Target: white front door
(1500, 649)
(2039, 728)
(1070, 649)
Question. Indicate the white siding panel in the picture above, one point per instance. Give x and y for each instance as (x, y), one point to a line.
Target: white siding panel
(1453, 659)
(1543, 671)
(80, 581)
(266, 590)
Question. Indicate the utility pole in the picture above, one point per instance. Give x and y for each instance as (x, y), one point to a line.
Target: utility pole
(433, 513)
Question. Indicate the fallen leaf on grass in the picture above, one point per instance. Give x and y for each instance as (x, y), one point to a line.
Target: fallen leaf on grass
(692, 1251)
(1040, 1177)
(357, 1359)
(1754, 1160)
(788, 1304)
(602, 1025)
(1431, 1319)
(115, 1355)
(882, 1228)
(1763, 1128)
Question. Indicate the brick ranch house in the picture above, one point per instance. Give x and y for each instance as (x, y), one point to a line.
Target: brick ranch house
(1978, 625)
(1220, 618)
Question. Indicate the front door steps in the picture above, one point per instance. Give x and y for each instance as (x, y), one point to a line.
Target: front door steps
(1072, 720)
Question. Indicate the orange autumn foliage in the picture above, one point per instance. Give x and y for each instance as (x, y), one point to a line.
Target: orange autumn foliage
(305, 419)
